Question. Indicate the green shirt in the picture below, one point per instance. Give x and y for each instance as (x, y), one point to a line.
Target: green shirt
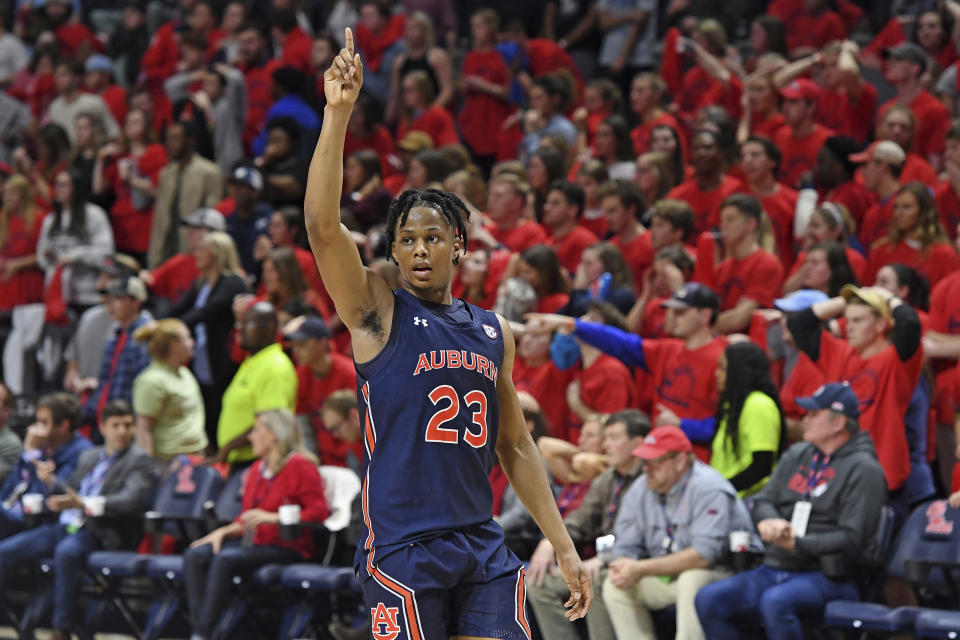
(266, 380)
(759, 430)
(172, 399)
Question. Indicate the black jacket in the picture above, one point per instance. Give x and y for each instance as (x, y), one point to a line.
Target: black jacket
(217, 315)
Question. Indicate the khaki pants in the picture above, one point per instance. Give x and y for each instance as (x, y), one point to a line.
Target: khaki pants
(629, 609)
(547, 600)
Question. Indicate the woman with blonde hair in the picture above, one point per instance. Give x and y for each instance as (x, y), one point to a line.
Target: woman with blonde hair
(421, 53)
(915, 238)
(166, 396)
(284, 475)
(207, 310)
(21, 281)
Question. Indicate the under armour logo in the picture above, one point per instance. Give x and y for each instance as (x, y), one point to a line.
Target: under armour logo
(417, 322)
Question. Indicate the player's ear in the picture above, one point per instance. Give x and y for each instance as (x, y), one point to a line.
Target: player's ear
(458, 249)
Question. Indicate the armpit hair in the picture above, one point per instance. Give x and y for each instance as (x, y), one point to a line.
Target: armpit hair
(371, 322)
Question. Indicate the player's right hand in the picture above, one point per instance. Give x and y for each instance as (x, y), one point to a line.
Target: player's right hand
(579, 583)
(342, 81)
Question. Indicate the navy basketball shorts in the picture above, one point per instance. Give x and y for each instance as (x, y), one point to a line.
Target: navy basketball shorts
(462, 583)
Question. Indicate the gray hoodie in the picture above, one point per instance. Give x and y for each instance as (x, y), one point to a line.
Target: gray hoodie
(846, 502)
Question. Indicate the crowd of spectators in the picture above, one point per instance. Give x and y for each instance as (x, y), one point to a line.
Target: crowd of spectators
(725, 234)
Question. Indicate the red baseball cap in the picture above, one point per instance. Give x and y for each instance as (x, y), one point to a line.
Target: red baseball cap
(661, 441)
(801, 89)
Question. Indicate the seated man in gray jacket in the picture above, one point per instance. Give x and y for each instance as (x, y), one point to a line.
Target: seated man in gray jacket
(113, 483)
(824, 497)
(672, 536)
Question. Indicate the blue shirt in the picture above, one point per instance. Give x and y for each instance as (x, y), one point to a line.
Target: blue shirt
(295, 107)
(23, 479)
(133, 359)
(90, 485)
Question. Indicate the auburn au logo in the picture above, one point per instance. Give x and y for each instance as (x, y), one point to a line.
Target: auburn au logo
(384, 622)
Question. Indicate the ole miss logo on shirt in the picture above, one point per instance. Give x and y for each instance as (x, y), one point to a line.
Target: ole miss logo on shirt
(800, 481)
(678, 386)
(384, 624)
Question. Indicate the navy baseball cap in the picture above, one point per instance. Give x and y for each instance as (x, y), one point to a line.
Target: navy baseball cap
(836, 396)
(310, 327)
(800, 300)
(692, 294)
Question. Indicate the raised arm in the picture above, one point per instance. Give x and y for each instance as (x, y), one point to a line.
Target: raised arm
(364, 302)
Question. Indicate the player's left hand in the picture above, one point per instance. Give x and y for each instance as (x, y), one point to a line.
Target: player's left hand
(581, 588)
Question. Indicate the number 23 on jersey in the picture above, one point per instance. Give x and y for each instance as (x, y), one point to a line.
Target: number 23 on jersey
(445, 397)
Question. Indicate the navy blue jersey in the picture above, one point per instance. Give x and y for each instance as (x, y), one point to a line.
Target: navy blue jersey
(430, 415)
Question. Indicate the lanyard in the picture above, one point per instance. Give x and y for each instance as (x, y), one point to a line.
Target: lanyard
(817, 469)
(663, 508)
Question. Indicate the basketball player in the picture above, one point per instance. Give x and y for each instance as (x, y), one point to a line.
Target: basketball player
(437, 402)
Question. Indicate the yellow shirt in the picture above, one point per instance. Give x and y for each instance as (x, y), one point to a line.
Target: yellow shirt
(266, 380)
(759, 430)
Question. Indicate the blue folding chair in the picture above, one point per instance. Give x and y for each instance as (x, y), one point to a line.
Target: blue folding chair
(178, 510)
(928, 539)
(167, 570)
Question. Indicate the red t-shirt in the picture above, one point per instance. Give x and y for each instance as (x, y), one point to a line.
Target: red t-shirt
(606, 386)
(653, 324)
(570, 247)
(766, 126)
(935, 263)
(642, 132)
(298, 482)
(595, 222)
(683, 379)
(799, 154)
(312, 392)
(546, 56)
(116, 100)
(297, 50)
(695, 86)
(933, 121)
(847, 117)
(131, 226)
(948, 205)
(72, 35)
(548, 385)
(174, 277)
(436, 122)
(805, 29)
(26, 285)
(945, 305)
(638, 253)
(757, 277)
(883, 385)
(876, 221)
(705, 204)
(481, 112)
(379, 140)
(552, 303)
(857, 262)
(523, 236)
(780, 208)
(259, 87)
(802, 382)
(854, 196)
(372, 45)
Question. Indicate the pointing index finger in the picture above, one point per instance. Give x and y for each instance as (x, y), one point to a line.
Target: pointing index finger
(348, 38)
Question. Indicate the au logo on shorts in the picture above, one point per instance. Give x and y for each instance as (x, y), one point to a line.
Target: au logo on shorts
(384, 622)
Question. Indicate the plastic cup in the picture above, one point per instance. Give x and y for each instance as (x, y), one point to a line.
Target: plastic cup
(32, 502)
(739, 541)
(93, 505)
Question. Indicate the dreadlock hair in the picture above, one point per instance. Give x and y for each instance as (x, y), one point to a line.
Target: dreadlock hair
(449, 205)
(748, 370)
